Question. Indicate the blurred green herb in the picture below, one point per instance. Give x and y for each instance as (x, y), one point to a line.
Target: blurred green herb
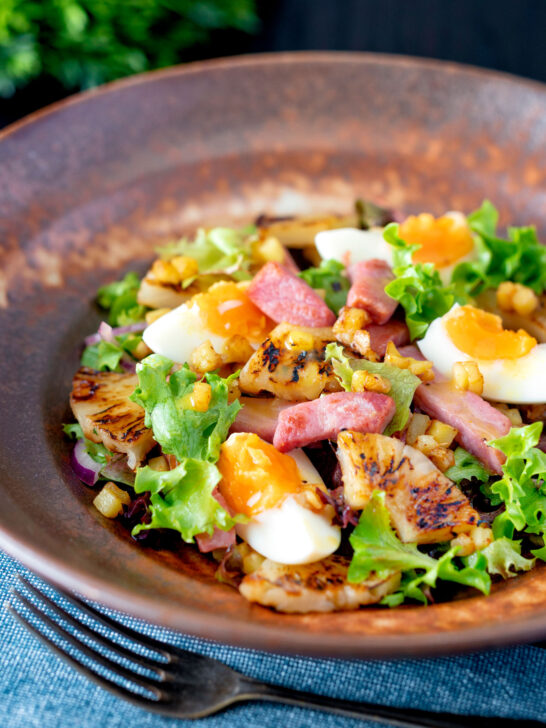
(82, 43)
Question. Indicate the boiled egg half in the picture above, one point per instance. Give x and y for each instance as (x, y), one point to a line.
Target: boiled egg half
(288, 522)
(215, 315)
(445, 242)
(512, 364)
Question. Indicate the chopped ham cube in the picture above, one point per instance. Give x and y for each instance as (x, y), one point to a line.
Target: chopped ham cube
(380, 335)
(326, 417)
(369, 278)
(289, 263)
(283, 296)
(219, 539)
(475, 420)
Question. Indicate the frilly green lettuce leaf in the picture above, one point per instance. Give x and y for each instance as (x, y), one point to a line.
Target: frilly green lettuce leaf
(181, 499)
(120, 298)
(466, 467)
(107, 355)
(377, 549)
(522, 487)
(504, 558)
(180, 430)
(417, 286)
(520, 257)
(329, 277)
(219, 250)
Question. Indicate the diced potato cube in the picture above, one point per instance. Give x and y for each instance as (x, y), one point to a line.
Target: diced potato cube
(476, 540)
(269, 250)
(467, 377)
(516, 297)
(165, 272)
(350, 320)
(142, 350)
(185, 266)
(421, 369)
(417, 426)
(204, 359)
(513, 413)
(443, 434)
(252, 562)
(364, 381)
(111, 499)
(441, 456)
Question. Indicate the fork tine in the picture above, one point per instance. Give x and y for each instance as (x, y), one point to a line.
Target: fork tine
(162, 647)
(96, 677)
(144, 682)
(150, 662)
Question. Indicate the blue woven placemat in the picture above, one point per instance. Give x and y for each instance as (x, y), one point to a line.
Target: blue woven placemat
(37, 689)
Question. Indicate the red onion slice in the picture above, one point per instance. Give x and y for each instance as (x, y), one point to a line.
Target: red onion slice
(83, 464)
(98, 336)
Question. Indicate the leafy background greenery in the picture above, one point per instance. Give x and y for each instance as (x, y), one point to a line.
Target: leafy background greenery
(83, 43)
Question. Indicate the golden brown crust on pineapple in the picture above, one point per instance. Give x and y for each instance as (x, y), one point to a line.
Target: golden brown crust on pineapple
(425, 506)
(100, 402)
(318, 587)
(289, 370)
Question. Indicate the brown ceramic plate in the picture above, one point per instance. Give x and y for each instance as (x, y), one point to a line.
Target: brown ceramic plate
(89, 186)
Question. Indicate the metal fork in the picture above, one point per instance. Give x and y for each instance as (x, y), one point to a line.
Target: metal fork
(184, 684)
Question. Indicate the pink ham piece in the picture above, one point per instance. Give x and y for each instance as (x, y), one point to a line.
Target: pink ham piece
(219, 539)
(324, 418)
(380, 335)
(283, 296)
(368, 279)
(289, 263)
(259, 415)
(476, 420)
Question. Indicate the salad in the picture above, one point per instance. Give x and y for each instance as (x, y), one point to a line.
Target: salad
(338, 410)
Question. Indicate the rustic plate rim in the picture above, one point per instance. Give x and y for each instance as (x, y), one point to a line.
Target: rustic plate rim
(56, 571)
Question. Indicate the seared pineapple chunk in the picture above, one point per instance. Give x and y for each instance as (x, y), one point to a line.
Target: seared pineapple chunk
(290, 364)
(318, 587)
(100, 402)
(424, 505)
(299, 232)
(156, 293)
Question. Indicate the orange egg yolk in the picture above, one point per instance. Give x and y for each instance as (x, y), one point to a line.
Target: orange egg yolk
(443, 241)
(255, 475)
(480, 335)
(226, 310)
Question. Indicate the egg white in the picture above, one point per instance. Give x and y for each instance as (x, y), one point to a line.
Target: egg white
(291, 533)
(177, 333)
(351, 245)
(515, 381)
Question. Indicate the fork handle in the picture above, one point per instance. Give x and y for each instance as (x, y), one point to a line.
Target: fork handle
(387, 715)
